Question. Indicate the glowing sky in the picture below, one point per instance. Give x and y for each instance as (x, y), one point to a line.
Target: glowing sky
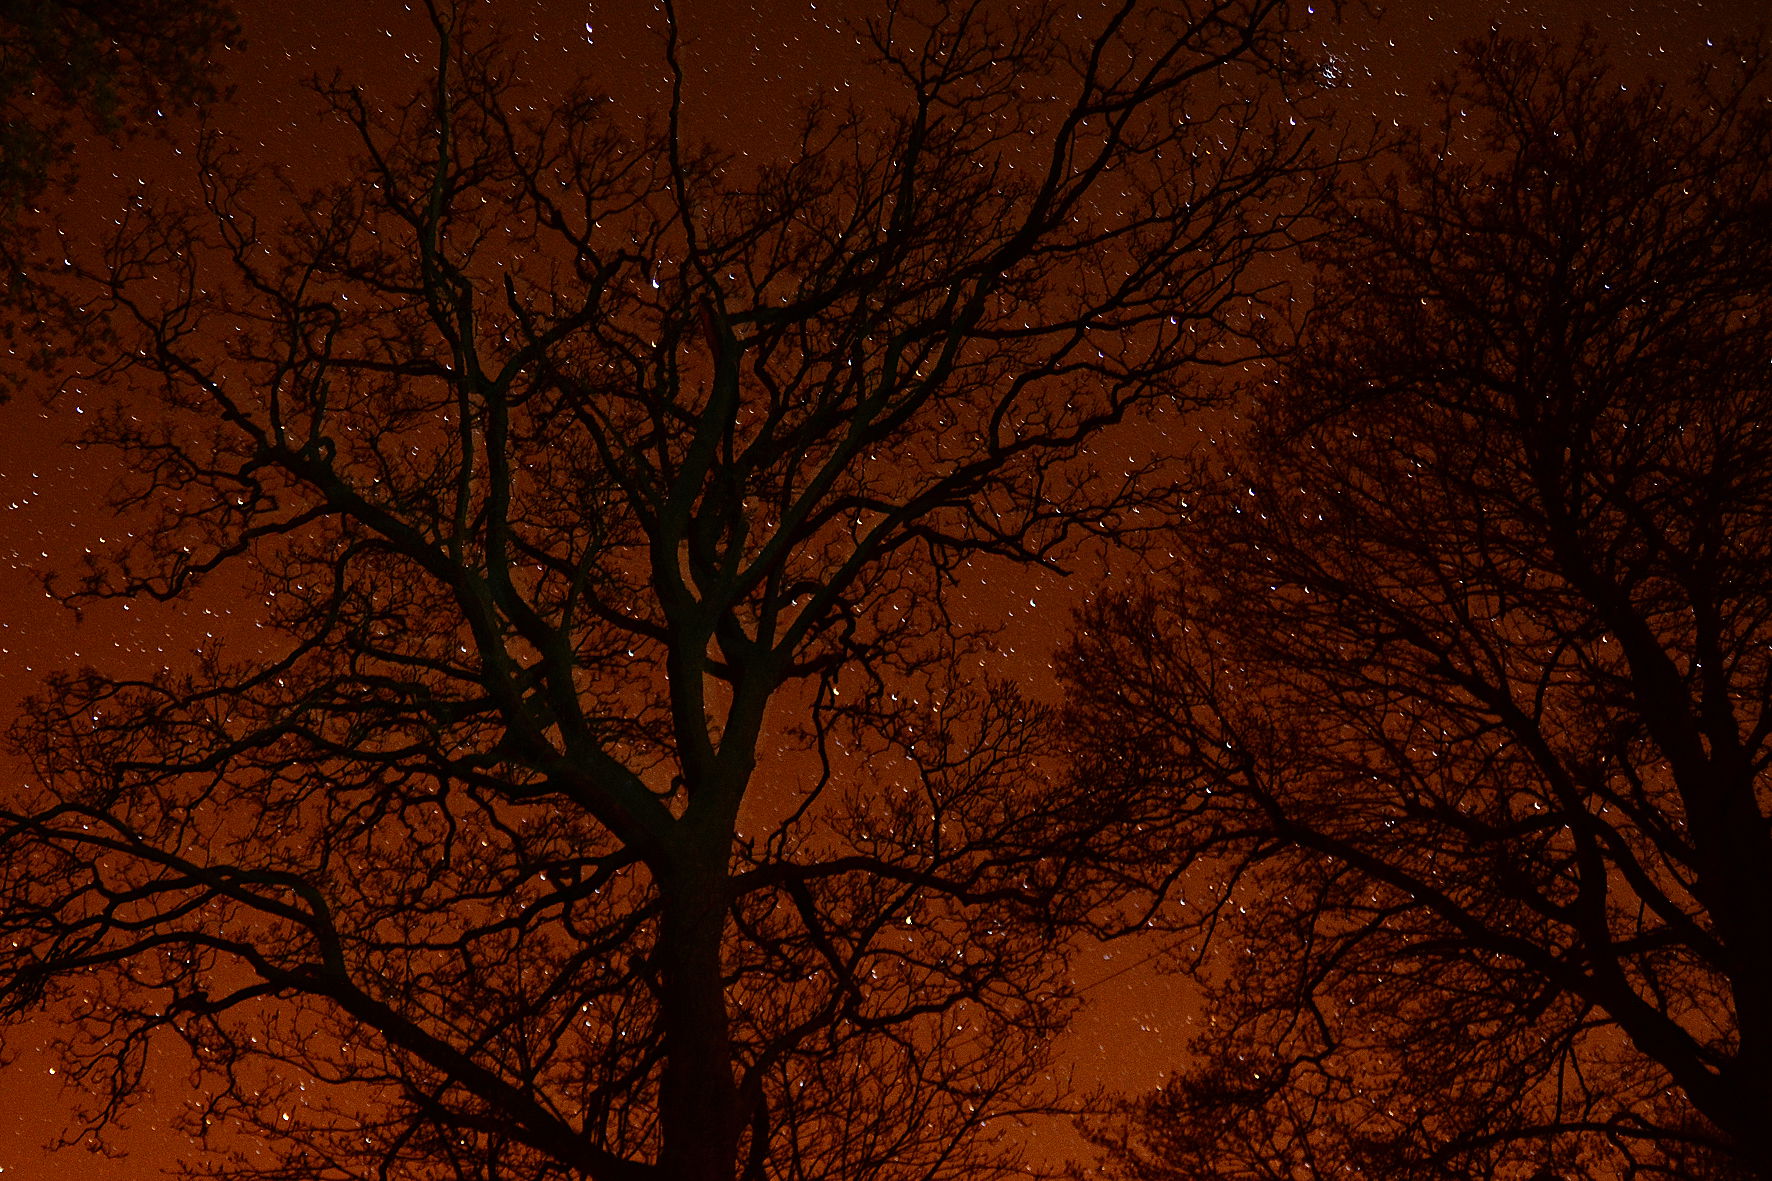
(752, 61)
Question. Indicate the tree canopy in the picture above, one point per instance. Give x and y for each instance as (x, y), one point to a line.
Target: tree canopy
(1456, 700)
(607, 788)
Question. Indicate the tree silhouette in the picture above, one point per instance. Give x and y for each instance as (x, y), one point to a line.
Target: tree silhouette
(1456, 706)
(606, 787)
(73, 69)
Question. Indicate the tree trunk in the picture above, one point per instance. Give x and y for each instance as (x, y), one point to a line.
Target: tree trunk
(698, 1101)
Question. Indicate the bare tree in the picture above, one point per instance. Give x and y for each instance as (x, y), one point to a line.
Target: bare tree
(606, 787)
(1457, 705)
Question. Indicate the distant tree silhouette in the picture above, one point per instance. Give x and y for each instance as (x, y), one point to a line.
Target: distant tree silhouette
(1456, 705)
(607, 788)
(70, 68)
(75, 69)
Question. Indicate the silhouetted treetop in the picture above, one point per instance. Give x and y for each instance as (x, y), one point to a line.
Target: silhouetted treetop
(1458, 696)
(611, 787)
